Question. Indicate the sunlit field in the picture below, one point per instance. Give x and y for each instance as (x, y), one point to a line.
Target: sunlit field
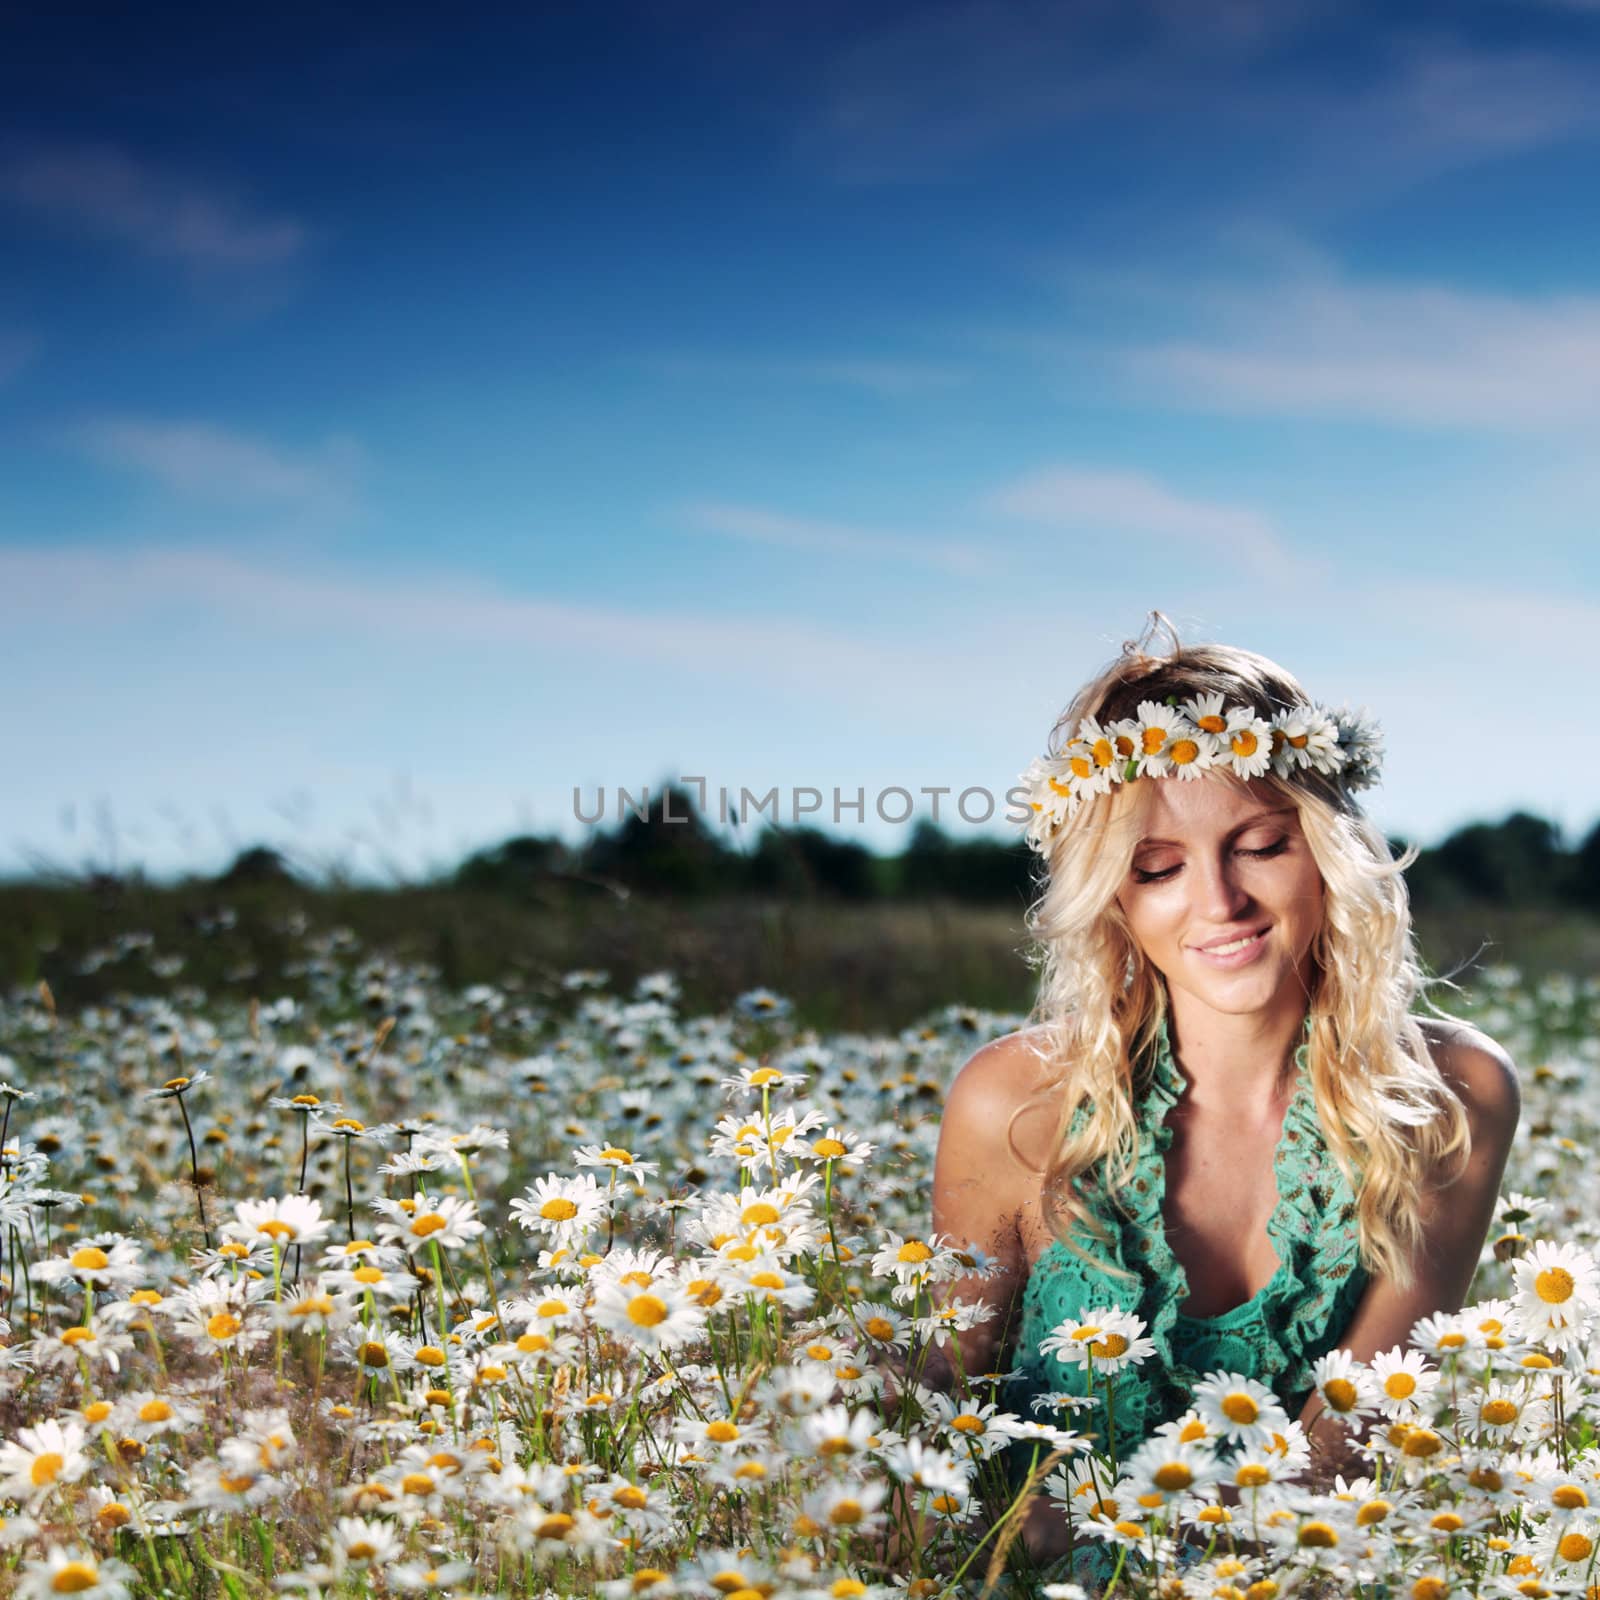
(399, 1288)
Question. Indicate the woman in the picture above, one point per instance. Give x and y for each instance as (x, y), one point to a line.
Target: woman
(1225, 1119)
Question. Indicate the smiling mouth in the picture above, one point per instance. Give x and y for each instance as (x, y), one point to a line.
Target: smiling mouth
(1234, 944)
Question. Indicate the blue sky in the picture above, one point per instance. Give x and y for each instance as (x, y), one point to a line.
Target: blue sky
(404, 421)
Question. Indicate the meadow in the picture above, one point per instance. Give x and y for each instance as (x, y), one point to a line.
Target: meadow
(351, 1272)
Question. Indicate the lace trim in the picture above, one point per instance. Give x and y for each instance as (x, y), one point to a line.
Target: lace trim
(1285, 1325)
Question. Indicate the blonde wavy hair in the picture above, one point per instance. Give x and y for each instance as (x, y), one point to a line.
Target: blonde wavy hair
(1389, 1118)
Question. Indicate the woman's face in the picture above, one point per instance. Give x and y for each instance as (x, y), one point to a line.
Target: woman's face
(1224, 897)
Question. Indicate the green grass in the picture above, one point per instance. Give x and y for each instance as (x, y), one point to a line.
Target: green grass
(868, 966)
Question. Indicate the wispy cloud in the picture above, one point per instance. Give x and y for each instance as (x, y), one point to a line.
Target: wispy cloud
(1423, 354)
(753, 525)
(202, 461)
(1094, 501)
(82, 588)
(922, 97)
(106, 193)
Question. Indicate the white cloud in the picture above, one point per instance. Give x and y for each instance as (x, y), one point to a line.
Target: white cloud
(1095, 501)
(753, 525)
(1422, 354)
(109, 194)
(203, 461)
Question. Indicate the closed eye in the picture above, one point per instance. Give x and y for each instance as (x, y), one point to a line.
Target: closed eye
(1265, 853)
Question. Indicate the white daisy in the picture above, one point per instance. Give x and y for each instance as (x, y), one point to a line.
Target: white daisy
(1558, 1293)
(661, 1317)
(1166, 1468)
(444, 1220)
(563, 1209)
(1157, 726)
(1246, 743)
(1104, 1338)
(1346, 1387)
(1239, 1408)
(1404, 1381)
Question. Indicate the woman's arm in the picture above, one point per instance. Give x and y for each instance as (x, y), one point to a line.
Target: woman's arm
(1455, 1222)
(980, 1190)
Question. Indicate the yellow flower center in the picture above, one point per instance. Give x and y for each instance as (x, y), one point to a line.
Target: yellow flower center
(1244, 744)
(89, 1259)
(429, 1355)
(46, 1468)
(276, 1228)
(373, 1354)
(417, 1483)
(1422, 1442)
(1239, 1407)
(1498, 1412)
(558, 1209)
(914, 1250)
(1399, 1385)
(1554, 1286)
(1318, 1536)
(967, 1423)
(1575, 1547)
(223, 1325)
(429, 1222)
(766, 1280)
(721, 1431)
(1447, 1522)
(647, 1310)
(1252, 1475)
(77, 1336)
(1486, 1478)
(1568, 1497)
(368, 1275)
(1184, 751)
(1110, 1347)
(1340, 1394)
(75, 1577)
(1430, 1587)
(1171, 1476)
(155, 1411)
(1212, 723)
(556, 1526)
(1152, 740)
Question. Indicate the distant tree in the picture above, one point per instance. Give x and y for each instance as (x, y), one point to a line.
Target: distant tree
(1583, 882)
(810, 862)
(259, 864)
(1517, 862)
(983, 870)
(669, 850)
(515, 864)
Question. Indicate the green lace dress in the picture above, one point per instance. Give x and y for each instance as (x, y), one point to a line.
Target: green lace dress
(1275, 1336)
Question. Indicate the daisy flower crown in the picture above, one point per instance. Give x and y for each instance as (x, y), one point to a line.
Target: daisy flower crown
(1184, 739)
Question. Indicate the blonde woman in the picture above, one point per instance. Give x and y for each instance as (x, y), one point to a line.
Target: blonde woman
(1226, 1118)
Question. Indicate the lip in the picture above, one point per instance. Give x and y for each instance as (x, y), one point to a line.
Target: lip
(1233, 958)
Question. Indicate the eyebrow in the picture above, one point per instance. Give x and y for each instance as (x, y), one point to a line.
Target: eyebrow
(1249, 822)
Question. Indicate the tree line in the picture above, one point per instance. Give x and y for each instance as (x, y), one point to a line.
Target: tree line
(1520, 861)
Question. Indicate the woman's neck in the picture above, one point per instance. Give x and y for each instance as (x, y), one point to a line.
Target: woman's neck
(1243, 1058)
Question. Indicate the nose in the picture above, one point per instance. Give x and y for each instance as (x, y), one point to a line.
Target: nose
(1220, 895)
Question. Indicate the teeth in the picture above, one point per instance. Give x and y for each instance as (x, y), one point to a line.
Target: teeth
(1238, 944)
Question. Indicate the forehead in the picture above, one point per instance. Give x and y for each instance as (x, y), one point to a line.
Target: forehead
(1179, 808)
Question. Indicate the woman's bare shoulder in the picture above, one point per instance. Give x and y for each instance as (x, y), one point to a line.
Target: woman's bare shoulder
(1480, 1072)
(1010, 1074)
